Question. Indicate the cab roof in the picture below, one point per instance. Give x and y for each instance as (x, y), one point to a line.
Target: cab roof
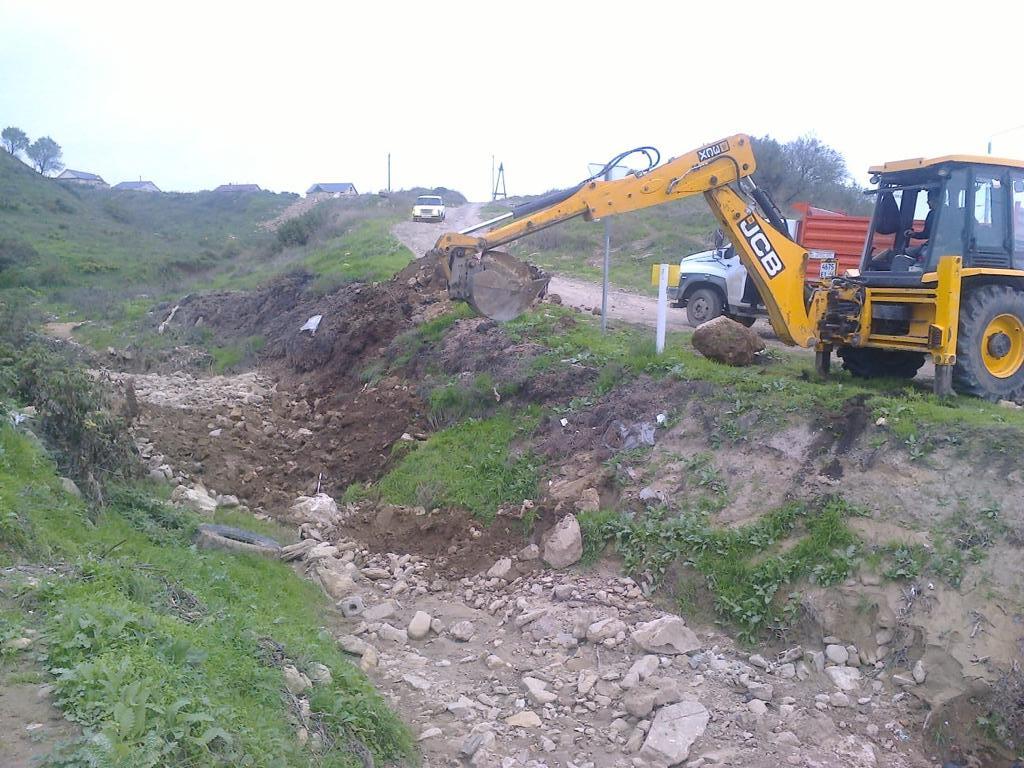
(917, 163)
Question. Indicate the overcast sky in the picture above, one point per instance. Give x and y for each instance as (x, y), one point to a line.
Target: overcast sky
(192, 95)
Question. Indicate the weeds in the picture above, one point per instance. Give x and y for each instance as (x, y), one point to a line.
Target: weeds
(738, 565)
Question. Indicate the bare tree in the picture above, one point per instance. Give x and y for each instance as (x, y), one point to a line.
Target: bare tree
(45, 153)
(14, 140)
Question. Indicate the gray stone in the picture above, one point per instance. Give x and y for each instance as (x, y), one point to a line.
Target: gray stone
(475, 742)
(537, 691)
(604, 629)
(419, 627)
(295, 681)
(837, 654)
(320, 674)
(525, 719)
(563, 544)
(351, 606)
(758, 707)
(430, 733)
(815, 660)
(919, 672)
(589, 501)
(639, 702)
(462, 631)
(839, 699)
(674, 730)
(501, 569)
(69, 487)
(379, 612)
(640, 670)
(757, 660)
(845, 678)
(393, 634)
(529, 552)
(668, 635)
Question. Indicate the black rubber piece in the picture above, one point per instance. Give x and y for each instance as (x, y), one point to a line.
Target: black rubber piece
(241, 535)
(873, 363)
(977, 309)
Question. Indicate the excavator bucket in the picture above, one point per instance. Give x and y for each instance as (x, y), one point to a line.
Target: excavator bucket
(501, 287)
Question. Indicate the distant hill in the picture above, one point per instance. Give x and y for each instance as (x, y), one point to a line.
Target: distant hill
(53, 235)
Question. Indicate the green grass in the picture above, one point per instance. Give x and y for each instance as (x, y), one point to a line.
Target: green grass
(640, 239)
(367, 253)
(72, 238)
(470, 465)
(782, 387)
(163, 653)
(746, 569)
(230, 357)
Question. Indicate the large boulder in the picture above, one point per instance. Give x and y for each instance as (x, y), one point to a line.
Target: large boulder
(563, 544)
(196, 499)
(673, 732)
(668, 635)
(727, 341)
(320, 510)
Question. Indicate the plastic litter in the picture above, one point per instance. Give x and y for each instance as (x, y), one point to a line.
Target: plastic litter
(312, 324)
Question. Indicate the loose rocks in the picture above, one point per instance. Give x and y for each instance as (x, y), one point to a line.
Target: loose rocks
(563, 544)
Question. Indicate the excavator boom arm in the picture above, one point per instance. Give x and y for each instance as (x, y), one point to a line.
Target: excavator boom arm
(494, 285)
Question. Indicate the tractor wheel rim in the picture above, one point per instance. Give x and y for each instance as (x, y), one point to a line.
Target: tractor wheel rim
(1002, 329)
(701, 309)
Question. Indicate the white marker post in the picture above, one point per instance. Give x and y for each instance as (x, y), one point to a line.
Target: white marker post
(659, 339)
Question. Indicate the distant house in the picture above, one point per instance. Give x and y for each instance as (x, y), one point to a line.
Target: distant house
(137, 186)
(238, 188)
(82, 178)
(322, 191)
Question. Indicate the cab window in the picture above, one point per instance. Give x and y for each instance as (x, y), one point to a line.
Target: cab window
(989, 214)
(1018, 220)
(948, 234)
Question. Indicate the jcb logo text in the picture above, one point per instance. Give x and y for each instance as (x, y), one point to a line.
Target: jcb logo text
(761, 246)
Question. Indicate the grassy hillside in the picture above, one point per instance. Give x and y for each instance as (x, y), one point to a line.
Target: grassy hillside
(110, 257)
(663, 234)
(54, 235)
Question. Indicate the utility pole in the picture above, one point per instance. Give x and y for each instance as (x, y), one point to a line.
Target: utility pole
(389, 173)
(498, 189)
(492, 174)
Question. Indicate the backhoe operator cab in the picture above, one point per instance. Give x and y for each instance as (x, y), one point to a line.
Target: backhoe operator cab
(929, 212)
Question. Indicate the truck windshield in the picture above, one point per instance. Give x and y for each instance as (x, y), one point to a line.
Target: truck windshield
(428, 201)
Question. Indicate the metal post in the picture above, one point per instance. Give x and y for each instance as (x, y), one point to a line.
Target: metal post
(659, 338)
(604, 280)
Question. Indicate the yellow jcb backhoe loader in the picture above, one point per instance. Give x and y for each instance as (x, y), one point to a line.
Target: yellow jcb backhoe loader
(953, 290)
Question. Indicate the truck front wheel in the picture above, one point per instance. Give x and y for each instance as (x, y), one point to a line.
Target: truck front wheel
(704, 304)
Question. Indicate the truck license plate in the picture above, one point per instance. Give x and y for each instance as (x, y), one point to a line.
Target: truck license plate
(828, 269)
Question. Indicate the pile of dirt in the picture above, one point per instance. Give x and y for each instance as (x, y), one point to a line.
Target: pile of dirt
(268, 449)
(358, 321)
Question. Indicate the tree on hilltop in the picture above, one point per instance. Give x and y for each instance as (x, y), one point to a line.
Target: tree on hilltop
(14, 140)
(45, 153)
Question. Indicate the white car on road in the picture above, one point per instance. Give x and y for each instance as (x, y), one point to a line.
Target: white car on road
(428, 208)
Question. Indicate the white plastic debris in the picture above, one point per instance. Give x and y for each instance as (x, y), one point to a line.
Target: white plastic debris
(565, 422)
(661, 418)
(312, 324)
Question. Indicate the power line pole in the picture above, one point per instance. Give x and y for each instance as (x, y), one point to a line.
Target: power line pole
(499, 184)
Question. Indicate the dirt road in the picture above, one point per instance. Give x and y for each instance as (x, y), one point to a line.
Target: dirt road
(419, 237)
(622, 305)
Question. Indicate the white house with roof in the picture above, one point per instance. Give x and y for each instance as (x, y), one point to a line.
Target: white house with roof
(82, 178)
(331, 189)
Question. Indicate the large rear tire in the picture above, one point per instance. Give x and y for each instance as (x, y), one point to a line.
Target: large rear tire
(873, 363)
(703, 304)
(990, 344)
